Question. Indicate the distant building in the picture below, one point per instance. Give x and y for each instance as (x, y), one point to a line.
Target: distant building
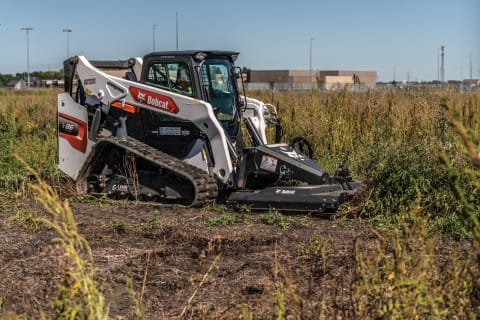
(471, 82)
(305, 79)
(282, 79)
(336, 82)
(332, 79)
(35, 83)
(17, 84)
(48, 83)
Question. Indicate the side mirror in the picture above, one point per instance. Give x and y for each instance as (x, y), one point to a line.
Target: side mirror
(237, 72)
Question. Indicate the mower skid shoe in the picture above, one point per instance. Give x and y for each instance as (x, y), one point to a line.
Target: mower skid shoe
(312, 198)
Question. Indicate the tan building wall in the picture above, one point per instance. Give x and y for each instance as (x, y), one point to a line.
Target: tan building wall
(337, 82)
(281, 76)
(300, 79)
(368, 78)
(267, 76)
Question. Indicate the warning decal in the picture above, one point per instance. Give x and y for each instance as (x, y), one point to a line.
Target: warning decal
(269, 163)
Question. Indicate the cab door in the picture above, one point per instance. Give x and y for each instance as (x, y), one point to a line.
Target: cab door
(73, 143)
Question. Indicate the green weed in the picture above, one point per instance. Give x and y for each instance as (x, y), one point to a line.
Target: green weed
(154, 223)
(313, 249)
(226, 220)
(275, 218)
(26, 218)
(216, 207)
(118, 226)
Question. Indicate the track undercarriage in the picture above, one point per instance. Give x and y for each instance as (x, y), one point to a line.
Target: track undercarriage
(124, 168)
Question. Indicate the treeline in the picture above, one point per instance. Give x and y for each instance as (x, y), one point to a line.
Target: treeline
(5, 79)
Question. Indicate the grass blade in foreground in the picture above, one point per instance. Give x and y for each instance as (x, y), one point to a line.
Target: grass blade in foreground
(78, 296)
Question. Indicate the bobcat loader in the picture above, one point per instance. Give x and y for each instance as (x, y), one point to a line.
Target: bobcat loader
(168, 128)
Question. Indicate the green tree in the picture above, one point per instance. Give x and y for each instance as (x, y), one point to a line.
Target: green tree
(5, 79)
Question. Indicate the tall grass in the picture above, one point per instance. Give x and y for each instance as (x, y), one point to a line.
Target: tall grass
(392, 141)
(27, 128)
(471, 142)
(404, 278)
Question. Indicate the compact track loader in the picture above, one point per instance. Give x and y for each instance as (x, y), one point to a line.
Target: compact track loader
(168, 128)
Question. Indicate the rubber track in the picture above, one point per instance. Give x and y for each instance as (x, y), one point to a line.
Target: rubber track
(205, 186)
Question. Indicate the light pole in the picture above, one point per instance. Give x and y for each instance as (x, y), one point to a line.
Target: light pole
(310, 70)
(442, 64)
(28, 29)
(153, 29)
(68, 40)
(176, 27)
(438, 65)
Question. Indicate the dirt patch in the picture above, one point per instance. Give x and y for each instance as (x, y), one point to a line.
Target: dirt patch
(167, 252)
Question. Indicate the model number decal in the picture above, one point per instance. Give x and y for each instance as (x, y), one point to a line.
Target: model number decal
(67, 126)
(73, 130)
(170, 131)
(91, 81)
(120, 187)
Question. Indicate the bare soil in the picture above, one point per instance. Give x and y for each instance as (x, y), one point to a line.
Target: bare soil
(167, 251)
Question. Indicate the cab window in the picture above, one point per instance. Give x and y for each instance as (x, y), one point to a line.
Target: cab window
(157, 74)
(171, 76)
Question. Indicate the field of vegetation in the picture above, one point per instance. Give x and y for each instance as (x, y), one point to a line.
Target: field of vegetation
(403, 144)
(406, 248)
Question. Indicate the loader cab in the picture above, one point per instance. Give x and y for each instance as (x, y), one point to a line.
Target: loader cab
(211, 78)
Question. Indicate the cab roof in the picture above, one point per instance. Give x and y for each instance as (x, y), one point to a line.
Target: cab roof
(194, 53)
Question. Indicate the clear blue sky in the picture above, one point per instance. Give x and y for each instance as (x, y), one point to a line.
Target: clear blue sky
(395, 38)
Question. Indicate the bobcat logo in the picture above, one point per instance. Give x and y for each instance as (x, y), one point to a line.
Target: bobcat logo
(141, 96)
(294, 155)
(153, 99)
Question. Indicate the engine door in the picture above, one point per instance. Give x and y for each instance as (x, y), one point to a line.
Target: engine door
(73, 143)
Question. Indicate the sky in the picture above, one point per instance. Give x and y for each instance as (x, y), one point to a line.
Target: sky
(399, 39)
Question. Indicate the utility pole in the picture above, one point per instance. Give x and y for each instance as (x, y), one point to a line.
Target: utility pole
(153, 28)
(68, 40)
(442, 65)
(471, 68)
(176, 27)
(28, 29)
(438, 65)
(310, 70)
